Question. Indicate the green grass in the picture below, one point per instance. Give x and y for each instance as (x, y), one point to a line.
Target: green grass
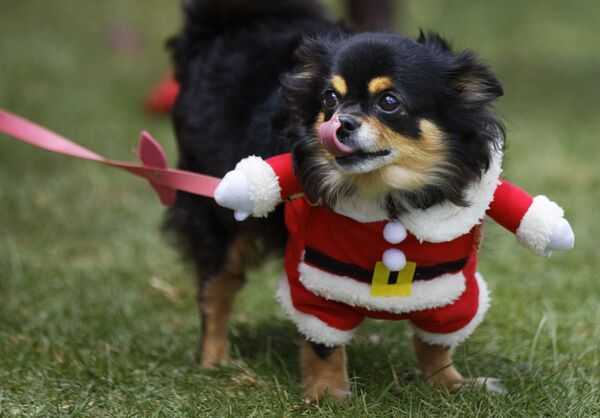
(83, 332)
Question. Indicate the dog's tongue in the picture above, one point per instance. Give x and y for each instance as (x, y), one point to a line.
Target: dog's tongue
(328, 136)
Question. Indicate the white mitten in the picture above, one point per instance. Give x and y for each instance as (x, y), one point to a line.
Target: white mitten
(562, 237)
(233, 192)
(251, 189)
(544, 228)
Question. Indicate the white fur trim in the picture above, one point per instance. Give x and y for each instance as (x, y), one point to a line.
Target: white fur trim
(264, 184)
(537, 225)
(452, 339)
(361, 210)
(447, 221)
(424, 294)
(439, 223)
(309, 325)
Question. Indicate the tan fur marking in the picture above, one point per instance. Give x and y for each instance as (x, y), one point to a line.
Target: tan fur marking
(420, 161)
(379, 84)
(416, 161)
(472, 88)
(339, 84)
(322, 377)
(216, 302)
(320, 118)
(218, 296)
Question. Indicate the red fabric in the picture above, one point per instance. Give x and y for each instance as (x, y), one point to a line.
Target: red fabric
(441, 320)
(161, 98)
(283, 168)
(337, 236)
(509, 206)
(453, 317)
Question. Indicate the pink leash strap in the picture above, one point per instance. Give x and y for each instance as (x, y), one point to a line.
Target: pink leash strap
(153, 168)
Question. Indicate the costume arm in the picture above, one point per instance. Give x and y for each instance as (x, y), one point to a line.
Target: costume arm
(256, 186)
(284, 170)
(537, 221)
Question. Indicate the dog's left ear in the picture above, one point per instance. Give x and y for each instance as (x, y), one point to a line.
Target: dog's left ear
(473, 81)
(433, 41)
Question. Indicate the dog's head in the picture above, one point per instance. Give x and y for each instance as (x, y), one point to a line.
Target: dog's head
(384, 117)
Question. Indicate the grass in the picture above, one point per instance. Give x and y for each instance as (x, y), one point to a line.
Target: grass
(83, 331)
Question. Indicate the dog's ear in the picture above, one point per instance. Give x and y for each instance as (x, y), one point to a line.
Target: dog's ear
(302, 86)
(473, 81)
(433, 41)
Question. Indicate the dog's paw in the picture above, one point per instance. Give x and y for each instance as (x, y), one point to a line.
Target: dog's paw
(312, 396)
(489, 384)
(209, 359)
(209, 363)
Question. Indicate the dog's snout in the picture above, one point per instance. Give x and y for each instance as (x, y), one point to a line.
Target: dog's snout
(348, 124)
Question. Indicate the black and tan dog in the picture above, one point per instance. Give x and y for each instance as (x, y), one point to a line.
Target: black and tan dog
(412, 130)
(230, 60)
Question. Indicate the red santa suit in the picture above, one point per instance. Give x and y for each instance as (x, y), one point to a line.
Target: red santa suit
(332, 254)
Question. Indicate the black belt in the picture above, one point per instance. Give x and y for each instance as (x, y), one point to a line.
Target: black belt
(331, 265)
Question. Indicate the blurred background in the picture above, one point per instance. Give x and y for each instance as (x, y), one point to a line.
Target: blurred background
(97, 313)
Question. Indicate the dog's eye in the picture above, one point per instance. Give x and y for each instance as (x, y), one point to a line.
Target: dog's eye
(389, 103)
(330, 99)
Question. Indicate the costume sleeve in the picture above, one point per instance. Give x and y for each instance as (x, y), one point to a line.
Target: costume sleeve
(284, 170)
(532, 219)
(270, 181)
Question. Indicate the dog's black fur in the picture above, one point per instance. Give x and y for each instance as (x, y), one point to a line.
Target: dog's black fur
(252, 77)
(229, 58)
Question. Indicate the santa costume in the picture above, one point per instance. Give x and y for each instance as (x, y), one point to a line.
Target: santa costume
(346, 263)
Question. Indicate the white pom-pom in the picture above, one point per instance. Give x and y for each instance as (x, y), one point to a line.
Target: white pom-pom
(394, 259)
(394, 232)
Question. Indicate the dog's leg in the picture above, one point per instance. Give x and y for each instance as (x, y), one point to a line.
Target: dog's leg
(216, 297)
(324, 371)
(436, 365)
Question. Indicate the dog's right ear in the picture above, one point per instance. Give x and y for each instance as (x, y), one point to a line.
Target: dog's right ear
(303, 85)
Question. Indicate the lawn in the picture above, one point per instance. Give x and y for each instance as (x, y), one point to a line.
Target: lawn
(98, 315)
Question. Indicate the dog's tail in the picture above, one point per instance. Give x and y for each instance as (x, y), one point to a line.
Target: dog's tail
(205, 20)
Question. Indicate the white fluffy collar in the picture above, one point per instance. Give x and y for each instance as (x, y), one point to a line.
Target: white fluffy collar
(442, 222)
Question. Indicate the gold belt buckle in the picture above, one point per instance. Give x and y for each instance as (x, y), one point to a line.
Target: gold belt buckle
(392, 283)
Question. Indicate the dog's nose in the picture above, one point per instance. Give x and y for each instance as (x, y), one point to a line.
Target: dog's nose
(348, 124)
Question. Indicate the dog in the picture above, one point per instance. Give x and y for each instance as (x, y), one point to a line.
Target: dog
(373, 139)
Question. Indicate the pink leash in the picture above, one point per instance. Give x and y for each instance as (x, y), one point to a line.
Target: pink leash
(153, 168)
